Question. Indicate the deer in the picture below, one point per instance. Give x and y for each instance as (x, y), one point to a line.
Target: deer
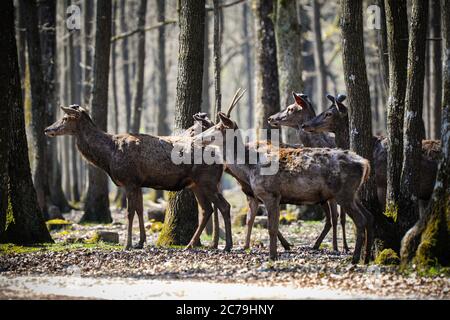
(294, 116)
(135, 160)
(305, 176)
(335, 119)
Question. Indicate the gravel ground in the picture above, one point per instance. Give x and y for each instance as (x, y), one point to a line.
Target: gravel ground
(301, 268)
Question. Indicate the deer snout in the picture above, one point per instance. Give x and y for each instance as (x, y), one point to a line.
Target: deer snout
(273, 121)
(49, 132)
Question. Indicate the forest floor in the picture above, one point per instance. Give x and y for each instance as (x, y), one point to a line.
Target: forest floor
(67, 270)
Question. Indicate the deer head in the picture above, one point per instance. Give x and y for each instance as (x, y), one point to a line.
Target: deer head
(330, 119)
(295, 114)
(69, 124)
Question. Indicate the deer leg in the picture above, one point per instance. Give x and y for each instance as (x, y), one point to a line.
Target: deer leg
(205, 213)
(253, 209)
(140, 214)
(369, 231)
(273, 209)
(224, 207)
(360, 224)
(286, 245)
(131, 208)
(334, 222)
(342, 216)
(326, 227)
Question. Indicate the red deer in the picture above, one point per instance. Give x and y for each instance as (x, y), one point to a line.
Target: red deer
(294, 116)
(141, 160)
(335, 119)
(305, 176)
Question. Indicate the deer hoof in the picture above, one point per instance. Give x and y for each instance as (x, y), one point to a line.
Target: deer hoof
(227, 248)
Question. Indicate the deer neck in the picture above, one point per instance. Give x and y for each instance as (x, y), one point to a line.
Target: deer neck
(95, 145)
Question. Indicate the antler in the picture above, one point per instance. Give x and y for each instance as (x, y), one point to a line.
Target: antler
(237, 96)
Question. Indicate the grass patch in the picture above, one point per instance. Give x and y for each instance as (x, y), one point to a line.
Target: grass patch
(10, 248)
(387, 257)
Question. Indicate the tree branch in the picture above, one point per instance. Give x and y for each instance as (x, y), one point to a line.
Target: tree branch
(225, 5)
(130, 33)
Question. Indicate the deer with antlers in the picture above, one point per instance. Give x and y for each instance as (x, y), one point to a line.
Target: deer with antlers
(305, 176)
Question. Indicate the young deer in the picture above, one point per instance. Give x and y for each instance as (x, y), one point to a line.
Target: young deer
(305, 176)
(335, 119)
(140, 160)
(294, 116)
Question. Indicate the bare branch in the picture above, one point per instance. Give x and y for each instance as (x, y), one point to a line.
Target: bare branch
(149, 28)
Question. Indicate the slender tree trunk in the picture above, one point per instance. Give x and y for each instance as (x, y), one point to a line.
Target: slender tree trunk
(206, 106)
(182, 212)
(96, 208)
(428, 242)
(321, 71)
(289, 45)
(38, 104)
(436, 67)
(28, 225)
(47, 22)
(21, 46)
(248, 64)
(139, 75)
(113, 69)
(163, 128)
(355, 76)
(88, 50)
(383, 47)
(125, 66)
(397, 32)
(408, 212)
(267, 89)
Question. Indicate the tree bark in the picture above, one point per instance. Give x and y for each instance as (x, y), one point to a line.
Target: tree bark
(125, 66)
(96, 208)
(113, 69)
(88, 50)
(28, 225)
(139, 74)
(383, 47)
(428, 242)
(321, 70)
(47, 22)
(248, 64)
(397, 33)
(408, 210)
(38, 104)
(267, 89)
(206, 105)
(163, 128)
(436, 67)
(182, 212)
(355, 75)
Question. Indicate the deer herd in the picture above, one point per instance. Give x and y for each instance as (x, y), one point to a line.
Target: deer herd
(321, 170)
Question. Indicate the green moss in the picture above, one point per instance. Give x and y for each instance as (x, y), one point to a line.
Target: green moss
(57, 224)
(156, 226)
(287, 217)
(10, 248)
(391, 211)
(94, 239)
(387, 257)
(9, 214)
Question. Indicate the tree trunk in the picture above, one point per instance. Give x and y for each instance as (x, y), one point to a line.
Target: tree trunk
(88, 50)
(267, 90)
(96, 208)
(436, 67)
(125, 66)
(397, 32)
(163, 128)
(428, 242)
(182, 212)
(408, 209)
(206, 105)
(113, 69)
(355, 75)
(289, 47)
(140, 66)
(248, 61)
(38, 104)
(47, 21)
(383, 47)
(321, 71)
(28, 225)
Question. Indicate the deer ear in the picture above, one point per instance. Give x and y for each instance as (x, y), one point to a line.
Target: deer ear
(228, 123)
(299, 100)
(71, 111)
(331, 98)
